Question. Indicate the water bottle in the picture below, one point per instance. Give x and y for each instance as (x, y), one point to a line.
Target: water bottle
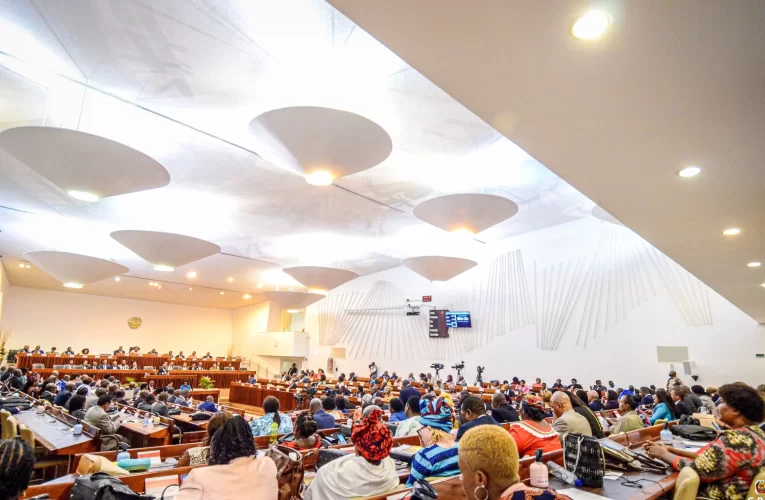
(274, 433)
(123, 454)
(563, 474)
(703, 410)
(146, 419)
(666, 435)
(77, 429)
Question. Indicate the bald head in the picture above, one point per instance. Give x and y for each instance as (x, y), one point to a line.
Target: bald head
(498, 399)
(560, 403)
(315, 405)
(592, 396)
(210, 399)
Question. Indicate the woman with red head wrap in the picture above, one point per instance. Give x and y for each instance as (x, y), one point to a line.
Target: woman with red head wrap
(368, 472)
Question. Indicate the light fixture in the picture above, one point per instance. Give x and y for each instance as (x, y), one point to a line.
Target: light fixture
(73, 285)
(319, 178)
(27, 266)
(754, 264)
(191, 275)
(117, 278)
(763, 285)
(260, 285)
(465, 233)
(293, 311)
(247, 296)
(689, 171)
(732, 231)
(159, 287)
(83, 196)
(164, 268)
(190, 289)
(24, 265)
(591, 25)
(230, 279)
(223, 293)
(474, 212)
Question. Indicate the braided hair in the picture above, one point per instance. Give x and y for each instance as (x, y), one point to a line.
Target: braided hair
(17, 462)
(305, 425)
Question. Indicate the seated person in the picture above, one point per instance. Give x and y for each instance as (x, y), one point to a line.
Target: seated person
(612, 400)
(582, 409)
(38, 350)
(372, 470)
(566, 419)
(17, 463)
(411, 425)
(174, 396)
(68, 351)
(727, 465)
(185, 386)
(397, 413)
(593, 401)
(305, 432)
(193, 355)
(162, 370)
(664, 407)
(123, 365)
(148, 402)
(160, 407)
(341, 406)
(77, 406)
(207, 356)
(119, 350)
(233, 470)
(134, 366)
(97, 417)
(185, 366)
(208, 405)
(181, 356)
(119, 397)
(472, 414)
(52, 351)
(323, 419)
(630, 420)
(438, 456)
(501, 410)
(331, 408)
(195, 367)
(534, 432)
(103, 365)
(85, 351)
(63, 396)
(684, 404)
(135, 351)
(49, 393)
(646, 398)
(153, 351)
(262, 425)
(706, 399)
(198, 455)
(170, 355)
(17, 380)
(488, 461)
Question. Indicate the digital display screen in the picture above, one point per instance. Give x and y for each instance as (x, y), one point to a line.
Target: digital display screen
(458, 319)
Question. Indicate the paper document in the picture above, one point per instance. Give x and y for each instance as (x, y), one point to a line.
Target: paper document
(576, 494)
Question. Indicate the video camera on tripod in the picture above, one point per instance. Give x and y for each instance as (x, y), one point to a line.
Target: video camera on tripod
(301, 396)
(437, 367)
(479, 376)
(459, 367)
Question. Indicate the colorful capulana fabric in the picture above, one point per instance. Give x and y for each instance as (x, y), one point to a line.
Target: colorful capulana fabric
(436, 413)
(727, 465)
(434, 461)
(371, 437)
(534, 401)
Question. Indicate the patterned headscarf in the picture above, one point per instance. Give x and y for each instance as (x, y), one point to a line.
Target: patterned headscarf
(534, 401)
(371, 437)
(436, 413)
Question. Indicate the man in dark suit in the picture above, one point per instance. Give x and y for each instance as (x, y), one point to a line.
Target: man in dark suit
(162, 369)
(160, 407)
(408, 391)
(97, 416)
(24, 349)
(323, 419)
(181, 356)
(148, 403)
(103, 365)
(501, 410)
(62, 397)
(209, 356)
(119, 351)
(69, 352)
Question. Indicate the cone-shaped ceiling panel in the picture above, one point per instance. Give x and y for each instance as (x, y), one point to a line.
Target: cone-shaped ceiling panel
(86, 163)
(321, 278)
(472, 212)
(293, 300)
(74, 268)
(309, 139)
(435, 268)
(166, 249)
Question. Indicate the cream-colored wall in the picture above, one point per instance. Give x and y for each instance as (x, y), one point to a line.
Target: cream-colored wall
(4, 286)
(62, 319)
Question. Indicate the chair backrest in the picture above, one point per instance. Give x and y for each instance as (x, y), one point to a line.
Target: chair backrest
(687, 485)
(4, 414)
(149, 367)
(27, 435)
(38, 366)
(754, 491)
(11, 428)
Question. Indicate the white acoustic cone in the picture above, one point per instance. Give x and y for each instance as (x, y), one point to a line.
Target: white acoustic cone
(166, 249)
(75, 270)
(320, 278)
(470, 212)
(601, 214)
(436, 268)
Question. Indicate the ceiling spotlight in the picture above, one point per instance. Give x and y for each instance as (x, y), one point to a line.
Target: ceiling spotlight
(223, 293)
(689, 171)
(247, 296)
(763, 285)
(159, 287)
(754, 264)
(117, 278)
(467, 233)
(591, 25)
(260, 285)
(230, 279)
(73, 285)
(191, 275)
(27, 266)
(83, 196)
(190, 289)
(293, 311)
(733, 231)
(164, 268)
(319, 178)
(21, 265)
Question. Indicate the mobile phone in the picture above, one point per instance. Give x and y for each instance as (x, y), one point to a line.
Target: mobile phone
(183, 477)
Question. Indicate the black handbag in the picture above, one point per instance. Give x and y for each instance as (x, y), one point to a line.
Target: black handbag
(326, 455)
(200, 416)
(694, 432)
(102, 486)
(583, 456)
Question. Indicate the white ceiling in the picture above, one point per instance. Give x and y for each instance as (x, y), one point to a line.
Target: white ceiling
(181, 81)
(671, 84)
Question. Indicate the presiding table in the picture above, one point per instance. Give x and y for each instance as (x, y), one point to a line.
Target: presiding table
(24, 360)
(253, 395)
(220, 378)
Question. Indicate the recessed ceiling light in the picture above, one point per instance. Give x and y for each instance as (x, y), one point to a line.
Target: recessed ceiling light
(319, 178)
(247, 296)
(223, 293)
(159, 287)
(763, 285)
(754, 264)
(260, 285)
(467, 233)
(83, 196)
(732, 231)
(293, 311)
(190, 289)
(28, 266)
(73, 285)
(21, 265)
(591, 25)
(191, 275)
(117, 278)
(230, 279)
(689, 171)
(164, 268)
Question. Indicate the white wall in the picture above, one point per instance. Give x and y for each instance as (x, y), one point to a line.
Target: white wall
(62, 319)
(608, 296)
(4, 286)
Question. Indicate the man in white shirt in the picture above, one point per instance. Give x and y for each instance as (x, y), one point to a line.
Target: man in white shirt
(411, 425)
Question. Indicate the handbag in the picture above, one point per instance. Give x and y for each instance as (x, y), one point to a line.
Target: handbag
(583, 456)
(289, 472)
(326, 455)
(694, 432)
(101, 486)
(200, 416)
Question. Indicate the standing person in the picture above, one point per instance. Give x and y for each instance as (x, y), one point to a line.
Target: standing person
(412, 424)
(673, 380)
(566, 419)
(368, 472)
(501, 410)
(291, 372)
(408, 391)
(234, 471)
(534, 432)
(373, 370)
(727, 465)
(438, 456)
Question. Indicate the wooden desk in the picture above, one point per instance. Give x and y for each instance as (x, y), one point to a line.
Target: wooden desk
(254, 396)
(177, 377)
(183, 420)
(151, 435)
(27, 360)
(51, 436)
